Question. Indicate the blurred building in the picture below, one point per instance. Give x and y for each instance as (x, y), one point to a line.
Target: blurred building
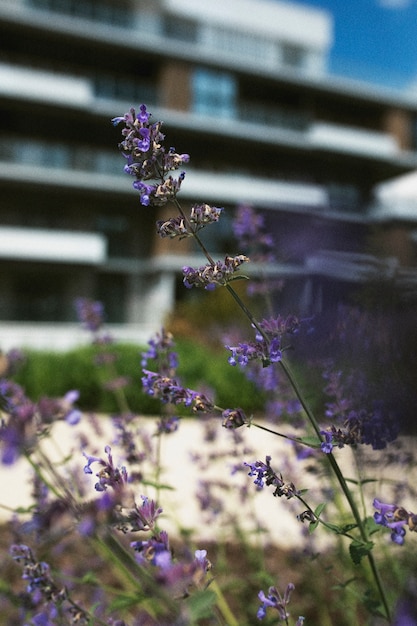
(242, 86)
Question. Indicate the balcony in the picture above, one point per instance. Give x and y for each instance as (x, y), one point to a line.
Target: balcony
(53, 246)
(35, 84)
(352, 140)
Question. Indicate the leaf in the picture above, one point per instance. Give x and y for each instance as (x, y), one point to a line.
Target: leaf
(312, 526)
(201, 604)
(371, 526)
(335, 528)
(313, 442)
(237, 277)
(348, 527)
(319, 509)
(359, 549)
(124, 601)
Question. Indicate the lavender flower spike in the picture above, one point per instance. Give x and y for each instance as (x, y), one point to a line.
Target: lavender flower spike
(211, 275)
(147, 159)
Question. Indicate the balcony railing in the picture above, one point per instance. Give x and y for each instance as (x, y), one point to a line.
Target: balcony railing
(106, 12)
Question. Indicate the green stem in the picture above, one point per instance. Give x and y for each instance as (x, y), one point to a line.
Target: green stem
(274, 432)
(36, 468)
(344, 486)
(312, 419)
(222, 605)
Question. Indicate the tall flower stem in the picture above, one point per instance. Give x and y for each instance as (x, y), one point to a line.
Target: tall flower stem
(313, 422)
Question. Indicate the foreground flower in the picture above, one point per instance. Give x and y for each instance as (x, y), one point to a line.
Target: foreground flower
(147, 159)
(275, 601)
(169, 391)
(200, 216)
(213, 274)
(50, 602)
(395, 517)
(268, 346)
(23, 420)
(109, 475)
(161, 350)
(265, 475)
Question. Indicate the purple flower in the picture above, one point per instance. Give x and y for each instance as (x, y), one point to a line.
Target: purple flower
(327, 445)
(167, 425)
(90, 313)
(155, 550)
(161, 350)
(147, 158)
(213, 274)
(109, 475)
(233, 418)
(396, 518)
(18, 427)
(265, 475)
(140, 517)
(275, 601)
(169, 391)
(268, 345)
(201, 215)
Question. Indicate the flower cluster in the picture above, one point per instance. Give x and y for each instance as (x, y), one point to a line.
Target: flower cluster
(375, 426)
(109, 475)
(161, 350)
(90, 313)
(211, 275)
(176, 575)
(140, 517)
(148, 160)
(395, 517)
(360, 426)
(265, 475)
(252, 236)
(170, 392)
(268, 345)
(24, 420)
(249, 229)
(200, 216)
(275, 601)
(46, 595)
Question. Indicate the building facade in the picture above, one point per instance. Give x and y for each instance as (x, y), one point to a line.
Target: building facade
(242, 86)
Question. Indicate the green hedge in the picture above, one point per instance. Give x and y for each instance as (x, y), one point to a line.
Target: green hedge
(55, 373)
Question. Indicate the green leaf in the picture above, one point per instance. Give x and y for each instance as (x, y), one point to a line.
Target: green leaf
(201, 604)
(335, 528)
(124, 601)
(319, 509)
(312, 526)
(371, 526)
(313, 442)
(89, 578)
(237, 277)
(348, 527)
(359, 549)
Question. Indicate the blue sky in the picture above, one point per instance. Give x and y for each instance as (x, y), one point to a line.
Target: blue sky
(374, 39)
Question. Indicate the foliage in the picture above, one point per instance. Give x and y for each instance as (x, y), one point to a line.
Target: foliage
(45, 373)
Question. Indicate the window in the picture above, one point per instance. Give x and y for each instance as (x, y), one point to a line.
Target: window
(106, 12)
(241, 45)
(214, 93)
(293, 56)
(180, 28)
(39, 297)
(111, 291)
(117, 230)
